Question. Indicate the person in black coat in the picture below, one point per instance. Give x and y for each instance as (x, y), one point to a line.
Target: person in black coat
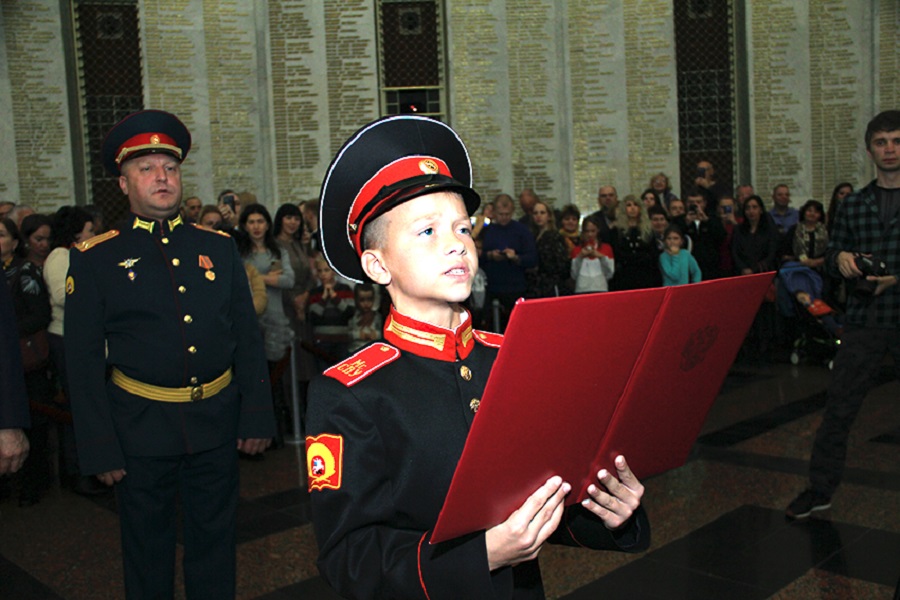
(14, 415)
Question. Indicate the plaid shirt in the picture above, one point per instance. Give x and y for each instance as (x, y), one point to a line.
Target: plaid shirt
(858, 227)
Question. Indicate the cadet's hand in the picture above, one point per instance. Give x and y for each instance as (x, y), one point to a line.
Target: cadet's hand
(111, 477)
(521, 536)
(13, 450)
(253, 445)
(884, 282)
(622, 498)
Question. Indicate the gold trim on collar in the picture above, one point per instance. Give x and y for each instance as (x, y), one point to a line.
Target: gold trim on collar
(139, 223)
(126, 151)
(467, 335)
(173, 223)
(416, 336)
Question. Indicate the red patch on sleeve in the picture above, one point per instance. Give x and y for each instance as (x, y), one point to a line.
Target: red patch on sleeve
(324, 461)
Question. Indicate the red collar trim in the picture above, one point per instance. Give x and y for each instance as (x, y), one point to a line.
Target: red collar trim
(427, 340)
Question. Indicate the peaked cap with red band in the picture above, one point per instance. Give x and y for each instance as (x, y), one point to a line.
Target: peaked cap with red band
(144, 132)
(387, 162)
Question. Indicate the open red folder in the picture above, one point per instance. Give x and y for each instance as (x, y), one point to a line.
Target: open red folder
(582, 379)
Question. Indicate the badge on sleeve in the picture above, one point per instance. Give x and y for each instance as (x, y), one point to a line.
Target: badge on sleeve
(324, 461)
(70, 285)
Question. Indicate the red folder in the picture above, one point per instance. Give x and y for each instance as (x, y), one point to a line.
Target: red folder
(582, 379)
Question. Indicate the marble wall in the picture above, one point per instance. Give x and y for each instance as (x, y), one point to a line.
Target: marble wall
(557, 96)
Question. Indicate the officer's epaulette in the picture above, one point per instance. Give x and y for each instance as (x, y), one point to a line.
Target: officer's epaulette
(363, 363)
(489, 338)
(210, 230)
(96, 240)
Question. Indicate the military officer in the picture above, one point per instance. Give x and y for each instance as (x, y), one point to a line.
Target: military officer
(167, 369)
(387, 426)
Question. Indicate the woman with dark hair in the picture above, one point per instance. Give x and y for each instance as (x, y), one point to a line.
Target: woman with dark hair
(840, 191)
(809, 237)
(551, 275)
(289, 231)
(10, 248)
(661, 186)
(259, 248)
(32, 305)
(754, 248)
(70, 225)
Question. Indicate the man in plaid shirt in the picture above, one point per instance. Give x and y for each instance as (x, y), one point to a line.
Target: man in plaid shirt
(867, 225)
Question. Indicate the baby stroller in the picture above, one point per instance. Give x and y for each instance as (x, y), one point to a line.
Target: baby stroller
(819, 324)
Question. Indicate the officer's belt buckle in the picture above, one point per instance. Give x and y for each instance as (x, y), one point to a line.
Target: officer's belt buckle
(166, 394)
(196, 393)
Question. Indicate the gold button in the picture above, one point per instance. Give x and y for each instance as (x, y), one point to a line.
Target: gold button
(175, 262)
(188, 319)
(165, 240)
(182, 289)
(194, 381)
(465, 372)
(474, 403)
(192, 349)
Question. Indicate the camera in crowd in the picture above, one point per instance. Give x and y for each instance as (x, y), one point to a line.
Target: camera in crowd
(869, 265)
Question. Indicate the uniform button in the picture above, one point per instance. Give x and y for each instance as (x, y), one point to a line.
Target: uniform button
(465, 372)
(194, 381)
(474, 403)
(192, 349)
(182, 289)
(175, 262)
(188, 319)
(165, 240)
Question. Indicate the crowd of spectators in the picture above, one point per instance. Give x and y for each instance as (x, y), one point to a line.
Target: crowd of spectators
(310, 317)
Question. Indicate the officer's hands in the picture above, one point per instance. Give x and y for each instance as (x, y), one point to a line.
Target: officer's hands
(521, 536)
(253, 445)
(111, 477)
(13, 450)
(622, 498)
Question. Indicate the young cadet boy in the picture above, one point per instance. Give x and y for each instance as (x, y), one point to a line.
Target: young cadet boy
(387, 426)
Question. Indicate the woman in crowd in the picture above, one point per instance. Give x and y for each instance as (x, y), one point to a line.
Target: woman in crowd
(649, 199)
(637, 265)
(660, 185)
(32, 305)
(9, 248)
(550, 276)
(570, 218)
(809, 237)
(289, 230)
(258, 247)
(840, 191)
(70, 225)
(593, 263)
(753, 250)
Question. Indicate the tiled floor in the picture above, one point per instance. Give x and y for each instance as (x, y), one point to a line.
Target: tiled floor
(718, 525)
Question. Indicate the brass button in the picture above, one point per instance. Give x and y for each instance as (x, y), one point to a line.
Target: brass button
(192, 349)
(175, 262)
(465, 372)
(165, 240)
(182, 289)
(188, 319)
(474, 403)
(194, 381)
(197, 393)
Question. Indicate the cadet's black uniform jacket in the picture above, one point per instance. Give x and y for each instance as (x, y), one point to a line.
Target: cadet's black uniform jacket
(386, 430)
(170, 303)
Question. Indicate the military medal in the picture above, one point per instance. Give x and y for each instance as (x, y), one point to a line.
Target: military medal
(206, 263)
(128, 263)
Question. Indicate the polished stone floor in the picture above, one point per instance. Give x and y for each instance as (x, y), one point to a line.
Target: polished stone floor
(718, 525)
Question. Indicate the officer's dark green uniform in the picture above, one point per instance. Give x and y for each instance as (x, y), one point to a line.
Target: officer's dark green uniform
(184, 377)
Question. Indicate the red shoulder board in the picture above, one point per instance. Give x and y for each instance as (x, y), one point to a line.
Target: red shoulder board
(489, 338)
(210, 230)
(363, 363)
